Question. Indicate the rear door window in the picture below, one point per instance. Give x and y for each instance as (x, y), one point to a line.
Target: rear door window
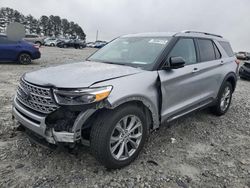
(217, 52)
(185, 48)
(206, 48)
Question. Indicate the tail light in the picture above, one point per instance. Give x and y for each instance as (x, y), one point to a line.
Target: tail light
(36, 46)
(237, 61)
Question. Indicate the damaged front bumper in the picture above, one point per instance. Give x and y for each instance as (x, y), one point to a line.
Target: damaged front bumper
(36, 122)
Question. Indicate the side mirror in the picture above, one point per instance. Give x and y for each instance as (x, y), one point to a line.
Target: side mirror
(176, 62)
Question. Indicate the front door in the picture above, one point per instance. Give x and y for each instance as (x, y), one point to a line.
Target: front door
(182, 89)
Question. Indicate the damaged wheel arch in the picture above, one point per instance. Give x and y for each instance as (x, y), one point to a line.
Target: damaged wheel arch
(84, 120)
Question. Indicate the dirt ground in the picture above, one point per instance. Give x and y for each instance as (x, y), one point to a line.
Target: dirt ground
(200, 150)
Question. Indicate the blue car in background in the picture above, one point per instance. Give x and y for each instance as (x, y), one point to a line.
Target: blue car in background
(18, 51)
(99, 44)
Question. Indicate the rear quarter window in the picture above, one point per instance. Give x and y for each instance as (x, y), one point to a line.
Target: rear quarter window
(227, 47)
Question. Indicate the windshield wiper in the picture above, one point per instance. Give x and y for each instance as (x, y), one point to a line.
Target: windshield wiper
(124, 64)
(114, 63)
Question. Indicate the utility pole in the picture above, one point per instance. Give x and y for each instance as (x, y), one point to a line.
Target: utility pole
(96, 36)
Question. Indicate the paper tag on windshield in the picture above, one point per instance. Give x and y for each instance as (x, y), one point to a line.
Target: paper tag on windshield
(158, 41)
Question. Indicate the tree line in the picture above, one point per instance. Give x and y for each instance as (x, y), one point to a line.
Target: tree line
(45, 25)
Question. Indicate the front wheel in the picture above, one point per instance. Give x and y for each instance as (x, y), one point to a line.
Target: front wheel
(118, 136)
(24, 58)
(224, 100)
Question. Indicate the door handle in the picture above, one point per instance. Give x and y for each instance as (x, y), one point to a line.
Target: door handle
(195, 70)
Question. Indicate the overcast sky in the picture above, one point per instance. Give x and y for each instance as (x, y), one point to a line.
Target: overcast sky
(113, 18)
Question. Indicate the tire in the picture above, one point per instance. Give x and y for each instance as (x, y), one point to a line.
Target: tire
(24, 58)
(225, 94)
(65, 46)
(52, 44)
(107, 125)
(38, 43)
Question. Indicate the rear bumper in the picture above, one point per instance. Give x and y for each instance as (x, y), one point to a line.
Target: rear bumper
(36, 55)
(36, 123)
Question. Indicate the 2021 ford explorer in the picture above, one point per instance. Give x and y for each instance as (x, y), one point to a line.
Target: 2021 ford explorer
(129, 87)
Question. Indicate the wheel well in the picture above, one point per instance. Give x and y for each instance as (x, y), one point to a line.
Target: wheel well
(232, 80)
(145, 109)
(86, 127)
(24, 52)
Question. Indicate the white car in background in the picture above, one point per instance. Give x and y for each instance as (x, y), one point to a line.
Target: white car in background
(243, 55)
(51, 42)
(34, 38)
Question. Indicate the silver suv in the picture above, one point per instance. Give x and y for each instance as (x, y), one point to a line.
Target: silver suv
(125, 90)
(36, 39)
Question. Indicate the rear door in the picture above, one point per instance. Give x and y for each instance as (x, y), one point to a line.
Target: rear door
(209, 67)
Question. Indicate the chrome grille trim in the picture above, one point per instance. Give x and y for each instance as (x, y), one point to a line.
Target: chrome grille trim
(35, 97)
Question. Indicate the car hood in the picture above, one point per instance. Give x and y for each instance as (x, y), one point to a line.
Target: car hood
(78, 75)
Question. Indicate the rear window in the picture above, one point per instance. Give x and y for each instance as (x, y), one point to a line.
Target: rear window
(227, 47)
(207, 50)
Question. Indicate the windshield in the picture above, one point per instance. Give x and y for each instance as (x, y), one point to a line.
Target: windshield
(131, 51)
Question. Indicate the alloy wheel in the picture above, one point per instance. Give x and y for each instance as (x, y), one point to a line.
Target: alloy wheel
(126, 137)
(225, 99)
(25, 58)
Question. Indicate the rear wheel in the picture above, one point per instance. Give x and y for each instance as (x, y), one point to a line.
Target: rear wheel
(65, 46)
(224, 99)
(118, 136)
(24, 58)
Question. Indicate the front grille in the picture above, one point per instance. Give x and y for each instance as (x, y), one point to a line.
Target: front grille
(37, 98)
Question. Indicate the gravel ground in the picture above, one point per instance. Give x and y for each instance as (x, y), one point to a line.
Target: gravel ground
(200, 150)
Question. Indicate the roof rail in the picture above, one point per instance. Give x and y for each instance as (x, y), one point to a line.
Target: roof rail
(205, 33)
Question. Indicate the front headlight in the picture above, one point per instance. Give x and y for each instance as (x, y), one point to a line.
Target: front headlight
(81, 96)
